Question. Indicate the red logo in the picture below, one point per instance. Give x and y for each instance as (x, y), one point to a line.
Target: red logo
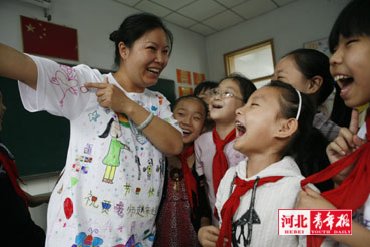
(315, 222)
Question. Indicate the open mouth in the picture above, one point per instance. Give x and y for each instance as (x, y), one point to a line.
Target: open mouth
(343, 80)
(216, 106)
(186, 133)
(240, 128)
(154, 71)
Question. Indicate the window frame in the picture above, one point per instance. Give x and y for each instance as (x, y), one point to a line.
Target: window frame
(230, 58)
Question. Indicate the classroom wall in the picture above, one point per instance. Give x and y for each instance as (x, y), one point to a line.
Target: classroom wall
(289, 27)
(95, 20)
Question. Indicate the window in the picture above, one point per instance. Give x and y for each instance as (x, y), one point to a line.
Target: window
(256, 62)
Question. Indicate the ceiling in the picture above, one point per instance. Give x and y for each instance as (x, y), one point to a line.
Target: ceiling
(206, 17)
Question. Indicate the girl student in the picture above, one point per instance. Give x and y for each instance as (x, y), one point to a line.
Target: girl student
(276, 119)
(349, 42)
(204, 91)
(308, 71)
(214, 150)
(111, 203)
(184, 206)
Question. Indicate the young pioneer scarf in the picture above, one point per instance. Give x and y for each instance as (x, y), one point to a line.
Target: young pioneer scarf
(190, 182)
(220, 164)
(231, 205)
(354, 190)
(12, 172)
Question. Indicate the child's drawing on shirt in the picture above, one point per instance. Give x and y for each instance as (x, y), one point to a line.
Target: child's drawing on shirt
(148, 169)
(112, 158)
(67, 81)
(83, 239)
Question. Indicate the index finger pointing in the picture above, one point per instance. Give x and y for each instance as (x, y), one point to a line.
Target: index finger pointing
(96, 85)
(353, 125)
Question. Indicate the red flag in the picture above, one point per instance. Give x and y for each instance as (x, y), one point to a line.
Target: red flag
(44, 38)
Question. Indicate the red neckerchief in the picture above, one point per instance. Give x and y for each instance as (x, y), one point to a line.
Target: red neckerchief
(231, 205)
(220, 164)
(190, 182)
(354, 190)
(12, 172)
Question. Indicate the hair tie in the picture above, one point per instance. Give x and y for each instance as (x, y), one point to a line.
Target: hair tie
(299, 104)
(113, 36)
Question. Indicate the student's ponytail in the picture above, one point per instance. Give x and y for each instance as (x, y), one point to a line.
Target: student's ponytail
(308, 145)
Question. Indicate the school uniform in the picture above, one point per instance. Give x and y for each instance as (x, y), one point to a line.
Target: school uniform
(205, 150)
(269, 198)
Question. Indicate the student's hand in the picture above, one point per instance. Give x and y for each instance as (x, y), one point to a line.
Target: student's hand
(109, 95)
(346, 142)
(310, 199)
(208, 235)
(34, 201)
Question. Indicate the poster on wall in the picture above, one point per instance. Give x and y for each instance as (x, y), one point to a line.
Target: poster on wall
(183, 76)
(198, 78)
(185, 91)
(320, 45)
(48, 39)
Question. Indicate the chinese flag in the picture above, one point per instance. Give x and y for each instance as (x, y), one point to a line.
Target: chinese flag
(44, 38)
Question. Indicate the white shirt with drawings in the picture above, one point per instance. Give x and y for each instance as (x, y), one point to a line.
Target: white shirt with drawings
(111, 187)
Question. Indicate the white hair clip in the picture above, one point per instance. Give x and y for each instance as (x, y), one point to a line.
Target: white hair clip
(299, 104)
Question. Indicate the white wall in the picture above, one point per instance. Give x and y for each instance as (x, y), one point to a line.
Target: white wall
(95, 20)
(289, 27)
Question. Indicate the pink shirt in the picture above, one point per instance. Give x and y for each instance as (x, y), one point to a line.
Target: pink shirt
(205, 150)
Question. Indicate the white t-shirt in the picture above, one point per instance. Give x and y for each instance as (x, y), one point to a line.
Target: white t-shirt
(112, 182)
(269, 198)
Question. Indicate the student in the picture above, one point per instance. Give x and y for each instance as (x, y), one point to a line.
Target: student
(204, 91)
(276, 119)
(185, 205)
(18, 226)
(214, 149)
(349, 42)
(308, 71)
(120, 132)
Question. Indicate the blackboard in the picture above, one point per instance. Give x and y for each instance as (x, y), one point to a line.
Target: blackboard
(167, 88)
(39, 140)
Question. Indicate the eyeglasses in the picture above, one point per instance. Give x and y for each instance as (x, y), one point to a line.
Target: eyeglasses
(224, 94)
